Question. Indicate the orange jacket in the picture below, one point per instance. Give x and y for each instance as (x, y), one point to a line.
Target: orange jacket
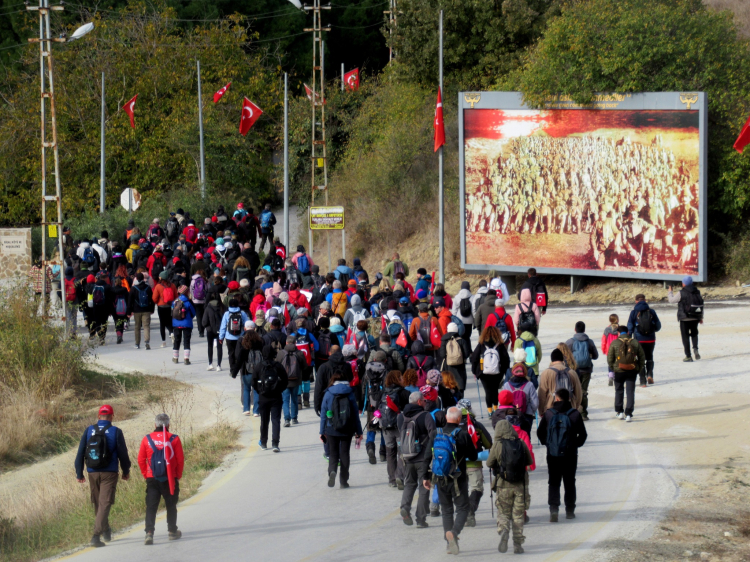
(444, 318)
(159, 293)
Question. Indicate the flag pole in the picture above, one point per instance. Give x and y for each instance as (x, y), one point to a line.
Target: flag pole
(286, 159)
(342, 76)
(102, 194)
(200, 127)
(441, 234)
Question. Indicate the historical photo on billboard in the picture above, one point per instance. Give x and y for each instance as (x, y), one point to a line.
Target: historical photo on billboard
(609, 190)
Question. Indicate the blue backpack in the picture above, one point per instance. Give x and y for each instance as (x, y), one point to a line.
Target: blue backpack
(581, 355)
(158, 462)
(444, 463)
(143, 300)
(303, 264)
(88, 256)
(265, 219)
(530, 349)
(457, 321)
(558, 433)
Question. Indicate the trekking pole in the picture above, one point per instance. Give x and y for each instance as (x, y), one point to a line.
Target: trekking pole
(479, 396)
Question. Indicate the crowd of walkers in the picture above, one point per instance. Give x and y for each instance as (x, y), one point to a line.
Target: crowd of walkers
(386, 361)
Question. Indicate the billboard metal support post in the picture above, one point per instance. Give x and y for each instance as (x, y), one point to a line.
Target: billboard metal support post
(343, 243)
(441, 195)
(102, 192)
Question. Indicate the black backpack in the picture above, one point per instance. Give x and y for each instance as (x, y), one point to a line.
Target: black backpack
(375, 375)
(344, 278)
(464, 307)
(526, 320)
(342, 412)
(234, 325)
(693, 304)
(387, 416)
(644, 321)
(172, 227)
(513, 460)
(268, 379)
(254, 359)
(156, 269)
(292, 366)
(98, 455)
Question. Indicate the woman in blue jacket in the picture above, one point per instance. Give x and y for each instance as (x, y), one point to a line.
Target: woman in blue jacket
(182, 322)
(339, 422)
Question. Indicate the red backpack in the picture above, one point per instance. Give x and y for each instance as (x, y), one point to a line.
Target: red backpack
(70, 290)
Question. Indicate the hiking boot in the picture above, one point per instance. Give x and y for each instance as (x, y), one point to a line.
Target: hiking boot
(295, 421)
(96, 542)
(187, 361)
(452, 543)
(503, 546)
(175, 360)
(435, 512)
(406, 517)
(697, 355)
(553, 516)
(149, 539)
(517, 549)
(344, 485)
(525, 518)
(570, 515)
(287, 423)
(119, 339)
(107, 535)
(371, 454)
(471, 521)
(687, 359)
(391, 484)
(585, 417)
(148, 346)
(650, 380)
(422, 524)
(382, 456)
(331, 479)
(175, 536)
(399, 484)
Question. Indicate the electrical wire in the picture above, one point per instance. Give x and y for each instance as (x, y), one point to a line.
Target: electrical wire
(13, 46)
(265, 15)
(360, 27)
(355, 7)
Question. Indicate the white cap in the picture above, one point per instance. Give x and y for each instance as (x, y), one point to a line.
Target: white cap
(519, 355)
(452, 328)
(249, 325)
(498, 303)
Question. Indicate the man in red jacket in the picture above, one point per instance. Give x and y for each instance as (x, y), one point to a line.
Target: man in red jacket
(161, 461)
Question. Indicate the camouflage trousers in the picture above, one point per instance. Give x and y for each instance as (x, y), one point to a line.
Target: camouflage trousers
(511, 501)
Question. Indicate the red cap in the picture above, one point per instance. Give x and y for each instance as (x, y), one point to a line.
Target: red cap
(240, 205)
(90, 279)
(199, 256)
(233, 285)
(214, 219)
(106, 410)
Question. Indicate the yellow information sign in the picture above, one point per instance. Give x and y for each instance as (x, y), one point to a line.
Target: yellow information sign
(326, 218)
(52, 230)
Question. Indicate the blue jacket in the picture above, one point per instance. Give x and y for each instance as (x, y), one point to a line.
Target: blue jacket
(633, 327)
(343, 269)
(339, 332)
(339, 388)
(424, 283)
(115, 443)
(223, 333)
(189, 314)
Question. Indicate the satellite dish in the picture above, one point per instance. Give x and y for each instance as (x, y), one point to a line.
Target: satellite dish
(296, 3)
(81, 31)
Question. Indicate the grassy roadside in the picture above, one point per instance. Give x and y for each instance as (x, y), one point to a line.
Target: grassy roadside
(43, 528)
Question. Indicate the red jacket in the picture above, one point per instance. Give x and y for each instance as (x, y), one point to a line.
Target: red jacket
(299, 300)
(501, 313)
(152, 258)
(258, 300)
(175, 461)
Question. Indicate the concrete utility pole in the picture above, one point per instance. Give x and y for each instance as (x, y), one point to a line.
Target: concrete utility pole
(102, 192)
(200, 128)
(318, 155)
(441, 194)
(286, 160)
(392, 23)
(47, 91)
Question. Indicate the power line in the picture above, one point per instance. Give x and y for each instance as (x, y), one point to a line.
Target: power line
(359, 27)
(264, 15)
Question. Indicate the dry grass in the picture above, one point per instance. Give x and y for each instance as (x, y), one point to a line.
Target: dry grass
(741, 10)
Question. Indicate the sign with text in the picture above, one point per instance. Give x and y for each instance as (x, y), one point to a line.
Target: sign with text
(326, 218)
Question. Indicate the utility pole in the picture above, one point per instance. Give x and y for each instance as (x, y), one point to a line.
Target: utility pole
(391, 12)
(102, 192)
(47, 91)
(286, 160)
(318, 155)
(441, 194)
(200, 127)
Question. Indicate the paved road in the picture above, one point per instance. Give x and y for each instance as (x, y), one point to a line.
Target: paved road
(268, 506)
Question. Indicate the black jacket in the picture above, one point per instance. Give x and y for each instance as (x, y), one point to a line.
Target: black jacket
(335, 363)
(133, 299)
(212, 316)
(276, 336)
(479, 354)
(426, 429)
(275, 395)
(465, 449)
(577, 427)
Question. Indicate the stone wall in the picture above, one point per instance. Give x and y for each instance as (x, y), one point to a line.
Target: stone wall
(15, 253)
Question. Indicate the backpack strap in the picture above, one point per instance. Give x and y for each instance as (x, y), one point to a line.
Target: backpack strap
(151, 443)
(570, 412)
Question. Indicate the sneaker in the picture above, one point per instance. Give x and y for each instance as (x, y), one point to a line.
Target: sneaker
(107, 535)
(175, 360)
(149, 539)
(471, 521)
(406, 516)
(295, 421)
(371, 454)
(163, 344)
(650, 380)
(210, 367)
(629, 419)
(570, 515)
(136, 346)
(218, 368)
(687, 359)
(171, 337)
(391, 484)
(247, 413)
(503, 546)
(287, 423)
(422, 524)
(585, 417)
(620, 416)
(262, 446)
(452, 543)
(276, 449)
(325, 457)
(517, 549)
(553, 516)
(331, 479)
(187, 361)
(148, 346)
(256, 415)
(119, 339)
(435, 512)
(697, 355)
(175, 536)
(96, 542)
(399, 484)
(344, 485)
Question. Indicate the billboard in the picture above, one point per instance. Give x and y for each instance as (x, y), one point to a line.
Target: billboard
(616, 189)
(326, 218)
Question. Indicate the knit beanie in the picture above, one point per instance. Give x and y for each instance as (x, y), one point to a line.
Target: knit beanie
(434, 377)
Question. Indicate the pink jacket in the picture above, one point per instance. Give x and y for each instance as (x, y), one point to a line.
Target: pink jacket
(526, 300)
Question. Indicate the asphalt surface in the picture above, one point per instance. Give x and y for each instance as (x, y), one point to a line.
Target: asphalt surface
(266, 506)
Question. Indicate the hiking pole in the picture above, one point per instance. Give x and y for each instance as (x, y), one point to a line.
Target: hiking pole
(479, 396)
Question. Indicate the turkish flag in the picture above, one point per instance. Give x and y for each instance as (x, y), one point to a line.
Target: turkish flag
(744, 139)
(128, 107)
(217, 95)
(351, 79)
(309, 93)
(250, 114)
(438, 124)
(472, 430)
(401, 339)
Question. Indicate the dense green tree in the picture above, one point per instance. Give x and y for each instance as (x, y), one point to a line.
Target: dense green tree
(652, 46)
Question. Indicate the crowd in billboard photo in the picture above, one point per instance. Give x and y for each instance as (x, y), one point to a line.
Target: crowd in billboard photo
(591, 190)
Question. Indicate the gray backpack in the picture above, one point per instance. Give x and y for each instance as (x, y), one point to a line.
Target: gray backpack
(410, 445)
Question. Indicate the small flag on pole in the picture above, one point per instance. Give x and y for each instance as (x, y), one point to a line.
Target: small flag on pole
(250, 114)
(351, 79)
(220, 93)
(438, 124)
(744, 139)
(129, 107)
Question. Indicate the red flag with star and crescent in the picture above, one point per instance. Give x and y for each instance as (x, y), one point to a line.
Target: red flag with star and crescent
(217, 95)
(351, 79)
(438, 123)
(472, 430)
(129, 108)
(250, 114)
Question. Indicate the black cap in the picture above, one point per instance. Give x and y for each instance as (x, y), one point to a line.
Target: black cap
(422, 271)
(301, 248)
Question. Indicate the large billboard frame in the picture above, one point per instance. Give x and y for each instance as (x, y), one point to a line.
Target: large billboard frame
(668, 101)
